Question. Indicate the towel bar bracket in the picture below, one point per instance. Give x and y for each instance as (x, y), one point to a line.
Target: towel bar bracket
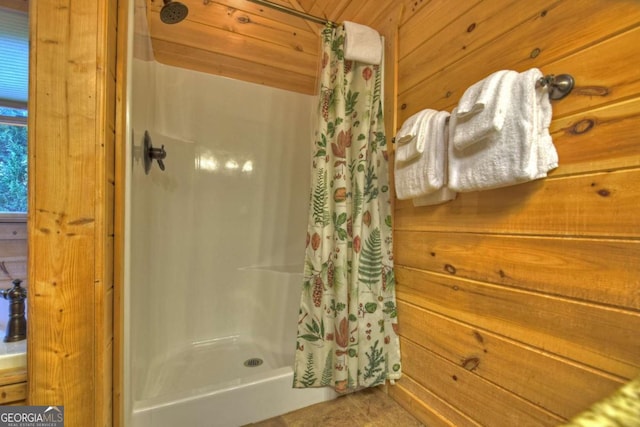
(559, 86)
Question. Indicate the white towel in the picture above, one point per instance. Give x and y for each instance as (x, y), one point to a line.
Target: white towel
(408, 145)
(445, 194)
(481, 111)
(410, 150)
(521, 151)
(426, 173)
(362, 44)
(547, 156)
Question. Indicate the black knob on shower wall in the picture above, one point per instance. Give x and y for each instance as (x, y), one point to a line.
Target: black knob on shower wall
(150, 154)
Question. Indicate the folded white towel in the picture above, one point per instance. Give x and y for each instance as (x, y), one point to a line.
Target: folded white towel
(411, 150)
(445, 194)
(426, 173)
(521, 151)
(362, 44)
(481, 111)
(404, 139)
(547, 154)
(409, 144)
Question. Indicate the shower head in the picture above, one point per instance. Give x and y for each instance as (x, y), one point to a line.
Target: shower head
(173, 12)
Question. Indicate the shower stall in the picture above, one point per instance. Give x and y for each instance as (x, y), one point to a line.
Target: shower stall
(214, 246)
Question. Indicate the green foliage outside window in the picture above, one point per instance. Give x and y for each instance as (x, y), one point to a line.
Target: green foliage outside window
(13, 165)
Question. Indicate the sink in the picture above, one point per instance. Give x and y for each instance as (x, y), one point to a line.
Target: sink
(13, 354)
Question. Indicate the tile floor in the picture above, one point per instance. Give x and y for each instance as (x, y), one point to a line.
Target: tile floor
(369, 407)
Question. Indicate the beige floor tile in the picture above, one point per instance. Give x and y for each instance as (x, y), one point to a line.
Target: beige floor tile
(366, 408)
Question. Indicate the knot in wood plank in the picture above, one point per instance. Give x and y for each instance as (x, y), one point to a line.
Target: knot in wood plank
(582, 127)
(471, 363)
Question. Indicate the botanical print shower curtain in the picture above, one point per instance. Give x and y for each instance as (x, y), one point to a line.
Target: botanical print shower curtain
(347, 321)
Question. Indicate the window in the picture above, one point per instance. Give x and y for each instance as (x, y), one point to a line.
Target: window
(13, 160)
(14, 76)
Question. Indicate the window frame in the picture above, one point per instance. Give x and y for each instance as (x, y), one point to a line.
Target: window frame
(21, 9)
(10, 120)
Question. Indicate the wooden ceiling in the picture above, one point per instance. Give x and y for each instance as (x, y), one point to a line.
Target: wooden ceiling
(246, 41)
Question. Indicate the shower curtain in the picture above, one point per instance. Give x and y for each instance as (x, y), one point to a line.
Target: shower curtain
(347, 321)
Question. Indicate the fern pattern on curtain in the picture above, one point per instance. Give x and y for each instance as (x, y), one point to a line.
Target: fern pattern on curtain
(348, 320)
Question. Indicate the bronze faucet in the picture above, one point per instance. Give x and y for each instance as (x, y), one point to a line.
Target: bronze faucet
(17, 326)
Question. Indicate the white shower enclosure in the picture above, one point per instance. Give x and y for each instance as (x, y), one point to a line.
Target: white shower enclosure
(214, 248)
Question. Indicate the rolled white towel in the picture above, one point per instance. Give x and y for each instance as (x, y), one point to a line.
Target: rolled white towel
(362, 44)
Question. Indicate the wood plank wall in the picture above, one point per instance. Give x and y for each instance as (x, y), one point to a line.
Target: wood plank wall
(72, 102)
(521, 306)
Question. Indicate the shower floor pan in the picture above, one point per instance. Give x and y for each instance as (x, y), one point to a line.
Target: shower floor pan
(220, 383)
(219, 363)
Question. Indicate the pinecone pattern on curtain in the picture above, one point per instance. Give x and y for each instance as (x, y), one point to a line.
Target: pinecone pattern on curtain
(348, 321)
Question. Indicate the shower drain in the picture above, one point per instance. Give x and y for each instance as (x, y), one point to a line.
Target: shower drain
(253, 362)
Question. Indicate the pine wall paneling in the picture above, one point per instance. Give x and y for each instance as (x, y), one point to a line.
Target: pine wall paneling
(521, 305)
(71, 160)
(522, 40)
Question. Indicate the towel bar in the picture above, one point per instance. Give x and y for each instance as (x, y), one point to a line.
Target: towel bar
(559, 86)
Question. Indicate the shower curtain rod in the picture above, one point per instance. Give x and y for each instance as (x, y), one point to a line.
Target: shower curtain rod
(294, 12)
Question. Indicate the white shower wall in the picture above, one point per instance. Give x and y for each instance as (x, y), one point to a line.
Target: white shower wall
(215, 235)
